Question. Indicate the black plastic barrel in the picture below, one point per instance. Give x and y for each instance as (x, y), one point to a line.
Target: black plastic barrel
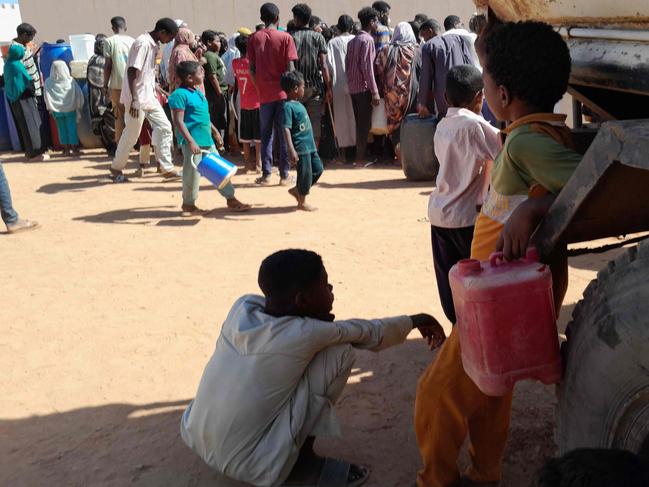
(417, 150)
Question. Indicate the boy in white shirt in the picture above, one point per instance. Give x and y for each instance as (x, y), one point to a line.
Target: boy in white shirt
(465, 145)
(280, 364)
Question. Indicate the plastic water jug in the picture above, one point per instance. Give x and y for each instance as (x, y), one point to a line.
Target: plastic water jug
(379, 119)
(83, 46)
(417, 150)
(506, 321)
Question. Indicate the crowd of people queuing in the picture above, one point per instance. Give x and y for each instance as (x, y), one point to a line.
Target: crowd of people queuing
(346, 69)
(282, 360)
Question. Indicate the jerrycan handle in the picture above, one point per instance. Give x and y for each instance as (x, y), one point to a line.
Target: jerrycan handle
(496, 258)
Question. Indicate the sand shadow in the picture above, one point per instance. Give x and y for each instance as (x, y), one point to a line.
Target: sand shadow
(133, 216)
(75, 186)
(185, 222)
(129, 444)
(224, 213)
(400, 183)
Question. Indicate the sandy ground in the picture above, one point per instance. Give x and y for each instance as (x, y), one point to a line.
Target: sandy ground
(111, 310)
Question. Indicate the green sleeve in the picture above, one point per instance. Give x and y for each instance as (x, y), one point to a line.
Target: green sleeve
(220, 69)
(287, 116)
(211, 66)
(541, 159)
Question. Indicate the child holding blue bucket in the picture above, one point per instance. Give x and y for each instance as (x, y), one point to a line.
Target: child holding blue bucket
(194, 131)
(302, 151)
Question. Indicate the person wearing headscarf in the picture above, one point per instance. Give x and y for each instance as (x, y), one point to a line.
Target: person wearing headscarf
(397, 69)
(184, 42)
(166, 56)
(21, 94)
(102, 117)
(64, 99)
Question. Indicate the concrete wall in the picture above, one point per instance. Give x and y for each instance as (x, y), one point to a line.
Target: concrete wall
(58, 18)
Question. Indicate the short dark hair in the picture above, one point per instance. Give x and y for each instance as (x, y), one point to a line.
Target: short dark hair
(415, 28)
(421, 18)
(26, 29)
(590, 467)
(381, 7)
(259, 27)
(463, 83)
(241, 43)
(269, 12)
(118, 22)
(366, 15)
(530, 59)
(314, 21)
(166, 24)
(302, 12)
(101, 37)
(477, 24)
(185, 68)
(431, 24)
(285, 273)
(451, 22)
(345, 23)
(291, 79)
(208, 36)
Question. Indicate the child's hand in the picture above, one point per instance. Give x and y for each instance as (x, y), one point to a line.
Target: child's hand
(194, 148)
(216, 135)
(430, 329)
(520, 226)
(293, 157)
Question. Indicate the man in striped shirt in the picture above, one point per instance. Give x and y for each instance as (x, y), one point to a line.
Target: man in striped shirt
(312, 63)
(383, 33)
(359, 64)
(26, 33)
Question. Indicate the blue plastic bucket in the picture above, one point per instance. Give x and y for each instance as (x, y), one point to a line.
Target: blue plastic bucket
(216, 169)
(51, 53)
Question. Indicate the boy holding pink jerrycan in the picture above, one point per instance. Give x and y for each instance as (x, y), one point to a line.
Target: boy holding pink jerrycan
(194, 131)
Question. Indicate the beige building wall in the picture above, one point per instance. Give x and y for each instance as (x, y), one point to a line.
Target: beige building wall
(59, 18)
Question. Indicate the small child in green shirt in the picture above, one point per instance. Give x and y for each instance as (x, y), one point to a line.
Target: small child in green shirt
(298, 133)
(194, 131)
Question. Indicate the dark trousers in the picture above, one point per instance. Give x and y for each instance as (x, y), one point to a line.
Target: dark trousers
(450, 245)
(362, 104)
(271, 120)
(309, 170)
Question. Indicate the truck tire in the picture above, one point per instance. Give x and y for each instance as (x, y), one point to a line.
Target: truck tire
(604, 395)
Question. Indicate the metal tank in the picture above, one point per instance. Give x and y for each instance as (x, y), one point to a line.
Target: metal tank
(609, 45)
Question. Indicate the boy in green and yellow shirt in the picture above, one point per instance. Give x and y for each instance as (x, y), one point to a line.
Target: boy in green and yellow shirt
(526, 71)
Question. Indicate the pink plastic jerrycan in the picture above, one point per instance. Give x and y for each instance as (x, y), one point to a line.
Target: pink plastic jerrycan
(506, 321)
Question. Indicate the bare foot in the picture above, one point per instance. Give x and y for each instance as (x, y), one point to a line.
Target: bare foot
(306, 207)
(293, 192)
(237, 206)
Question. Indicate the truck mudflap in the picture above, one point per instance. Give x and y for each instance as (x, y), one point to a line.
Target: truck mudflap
(608, 195)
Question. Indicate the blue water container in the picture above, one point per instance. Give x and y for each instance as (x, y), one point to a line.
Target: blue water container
(53, 52)
(14, 138)
(5, 135)
(216, 169)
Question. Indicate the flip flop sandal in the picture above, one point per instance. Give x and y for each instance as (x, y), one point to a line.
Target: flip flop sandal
(172, 175)
(240, 209)
(335, 473)
(119, 178)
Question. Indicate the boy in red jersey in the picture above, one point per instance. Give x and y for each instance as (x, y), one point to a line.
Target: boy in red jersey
(249, 101)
